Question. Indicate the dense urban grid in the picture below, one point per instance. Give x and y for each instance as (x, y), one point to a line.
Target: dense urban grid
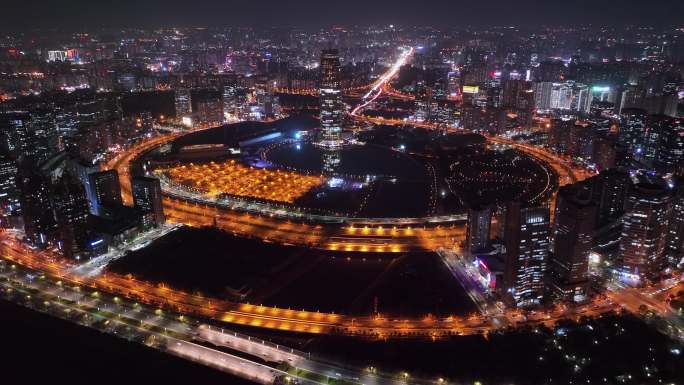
(261, 200)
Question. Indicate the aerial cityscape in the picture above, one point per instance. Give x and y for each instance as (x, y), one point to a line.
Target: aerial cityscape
(365, 194)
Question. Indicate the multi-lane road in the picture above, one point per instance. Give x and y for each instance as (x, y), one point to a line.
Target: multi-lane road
(241, 355)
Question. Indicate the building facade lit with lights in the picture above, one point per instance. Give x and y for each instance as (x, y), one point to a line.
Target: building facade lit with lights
(574, 222)
(332, 107)
(526, 237)
(644, 230)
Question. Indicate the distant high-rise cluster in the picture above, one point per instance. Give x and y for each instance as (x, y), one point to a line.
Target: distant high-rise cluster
(605, 106)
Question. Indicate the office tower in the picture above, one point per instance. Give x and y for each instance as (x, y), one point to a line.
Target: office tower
(453, 84)
(674, 246)
(632, 97)
(210, 110)
(475, 74)
(229, 99)
(518, 94)
(526, 236)
(479, 224)
(36, 204)
(559, 136)
(609, 190)
(422, 104)
(183, 102)
(332, 108)
(15, 129)
(574, 222)
(542, 95)
(604, 151)
(644, 229)
(43, 138)
(71, 213)
(9, 193)
(571, 96)
(633, 130)
(106, 189)
(566, 96)
(670, 146)
(54, 56)
(147, 197)
(81, 170)
(331, 158)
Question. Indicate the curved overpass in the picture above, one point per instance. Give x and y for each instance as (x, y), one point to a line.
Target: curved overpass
(275, 224)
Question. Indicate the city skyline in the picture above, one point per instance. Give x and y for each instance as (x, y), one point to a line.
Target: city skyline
(347, 204)
(81, 14)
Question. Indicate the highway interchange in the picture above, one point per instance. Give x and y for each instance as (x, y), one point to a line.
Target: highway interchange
(168, 319)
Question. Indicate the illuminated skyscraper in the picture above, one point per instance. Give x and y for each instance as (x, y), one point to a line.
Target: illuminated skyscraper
(573, 228)
(40, 224)
(609, 190)
(71, 212)
(229, 99)
(526, 237)
(632, 134)
(674, 248)
(670, 149)
(479, 224)
(644, 230)
(210, 110)
(107, 189)
(183, 102)
(147, 197)
(14, 132)
(9, 193)
(332, 108)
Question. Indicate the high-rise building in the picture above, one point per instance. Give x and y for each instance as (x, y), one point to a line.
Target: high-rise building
(53, 56)
(71, 213)
(574, 223)
(571, 96)
(9, 193)
(542, 95)
(609, 190)
(43, 140)
(332, 107)
(15, 129)
(644, 230)
(147, 197)
(230, 102)
(526, 236)
(183, 102)
(632, 97)
(670, 149)
(633, 130)
(106, 188)
(604, 151)
(81, 170)
(479, 224)
(674, 247)
(518, 94)
(36, 204)
(566, 96)
(210, 111)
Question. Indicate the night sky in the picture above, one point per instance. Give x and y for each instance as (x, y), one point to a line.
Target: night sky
(78, 14)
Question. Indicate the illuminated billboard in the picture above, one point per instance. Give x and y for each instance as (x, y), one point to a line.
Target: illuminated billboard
(471, 89)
